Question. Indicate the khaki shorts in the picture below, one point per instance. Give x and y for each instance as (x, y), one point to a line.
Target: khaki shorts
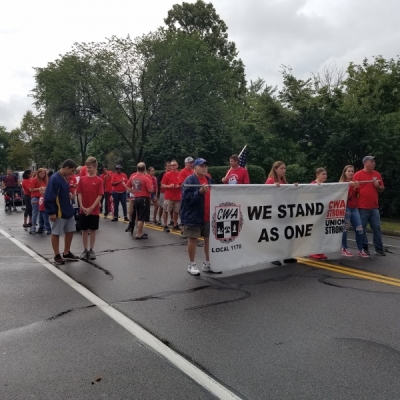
(197, 231)
(130, 206)
(162, 200)
(172, 205)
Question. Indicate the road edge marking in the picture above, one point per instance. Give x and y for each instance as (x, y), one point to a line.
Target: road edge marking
(194, 373)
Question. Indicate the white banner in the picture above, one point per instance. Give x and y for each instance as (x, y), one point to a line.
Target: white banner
(254, 224)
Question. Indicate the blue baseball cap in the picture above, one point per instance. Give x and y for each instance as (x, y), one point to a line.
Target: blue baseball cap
(199, 161)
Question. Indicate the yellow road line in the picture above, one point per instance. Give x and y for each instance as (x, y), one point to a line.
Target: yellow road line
(351, 272)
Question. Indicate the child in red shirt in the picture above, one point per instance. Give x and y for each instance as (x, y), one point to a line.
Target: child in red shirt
(44, 223)
(90, 191)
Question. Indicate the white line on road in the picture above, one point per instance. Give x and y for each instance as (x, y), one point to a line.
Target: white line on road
(196, 374)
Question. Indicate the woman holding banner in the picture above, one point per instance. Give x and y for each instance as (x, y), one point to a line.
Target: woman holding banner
(277, 176)
(352, 214)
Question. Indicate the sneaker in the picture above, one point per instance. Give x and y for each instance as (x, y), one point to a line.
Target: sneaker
(171, 222)
(105, 216)
(159, 223)
(276, 262)
(114, 219)
(70, 256)
(176, 228)
(206, 266)
(84, 255)
(33, 231)
(380, 253)
(366, 251)
(322, 256)
(58, 259)
(25, 225)
(40, 230)
(362, 253)
(192, 269)
(315, 256)
(290, 260)
(166, 229)
(48, 232)
(92, 255)
(126, 219)
(347, 253)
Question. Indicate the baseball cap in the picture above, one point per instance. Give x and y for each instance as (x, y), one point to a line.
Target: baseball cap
(367, 158)
(189, 159)
(119, 166)
(199, 161)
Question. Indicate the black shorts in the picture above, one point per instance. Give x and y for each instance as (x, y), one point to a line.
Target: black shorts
(89, 222)
(141, 209)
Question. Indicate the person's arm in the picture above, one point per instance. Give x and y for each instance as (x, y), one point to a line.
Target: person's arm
(165, 182)
(149, 185)
(246, 176)
(50, 199)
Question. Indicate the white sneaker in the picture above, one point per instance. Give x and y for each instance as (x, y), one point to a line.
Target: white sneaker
(192, 269)
(206, 266)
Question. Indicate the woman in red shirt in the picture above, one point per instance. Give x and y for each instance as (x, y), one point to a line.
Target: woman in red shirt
(277, 176)
(36, 183)
(26, 184)
(154, 200)
(352, 214)
(320, 177)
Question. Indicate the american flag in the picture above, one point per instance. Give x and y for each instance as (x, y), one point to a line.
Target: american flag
(242, 157)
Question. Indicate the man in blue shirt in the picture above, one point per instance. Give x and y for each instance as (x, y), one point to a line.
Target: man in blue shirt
(57, 201)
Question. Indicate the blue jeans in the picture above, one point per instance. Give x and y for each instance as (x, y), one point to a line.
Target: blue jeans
(371, 217)
(35, 211)
(119, 197)
(353, 217)
(44, 221)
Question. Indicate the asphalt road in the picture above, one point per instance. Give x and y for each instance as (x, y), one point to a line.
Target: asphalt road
(311, 330)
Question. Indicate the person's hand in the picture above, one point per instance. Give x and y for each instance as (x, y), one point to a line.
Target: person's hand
(356, 184)
(171, 185)
(296, 184)
(89, 210)
(52, 217)
(277, 184)
(71, 196)
(224, 180)
(376, 182)
(204, 189)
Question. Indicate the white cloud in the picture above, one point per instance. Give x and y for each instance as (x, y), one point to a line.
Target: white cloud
(304, 34)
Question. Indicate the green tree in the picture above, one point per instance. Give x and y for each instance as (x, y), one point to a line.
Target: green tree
(4, 144)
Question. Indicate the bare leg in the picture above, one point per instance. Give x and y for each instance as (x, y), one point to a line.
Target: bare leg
(155, 204)
(165, 218)
(175, 218)
(92, 239)
(139, 231)
(192, 243)
(67, 242)
(55, 243)
(207, 248)
(85, 240)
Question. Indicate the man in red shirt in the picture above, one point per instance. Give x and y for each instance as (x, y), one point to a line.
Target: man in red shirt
(106, 176)
(170, 182)
(90, 191)
(236, 175)
(368, 205)
(118, 183)
(187, 171)
(141, 186)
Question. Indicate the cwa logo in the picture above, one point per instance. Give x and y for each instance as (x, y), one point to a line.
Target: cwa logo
(227, 222)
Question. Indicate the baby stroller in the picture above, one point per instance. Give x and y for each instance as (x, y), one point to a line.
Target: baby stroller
(12, 199)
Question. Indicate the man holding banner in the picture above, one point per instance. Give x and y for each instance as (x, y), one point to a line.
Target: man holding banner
(195, 213)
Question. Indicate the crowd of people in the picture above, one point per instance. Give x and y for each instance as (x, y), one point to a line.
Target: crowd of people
(51, 200)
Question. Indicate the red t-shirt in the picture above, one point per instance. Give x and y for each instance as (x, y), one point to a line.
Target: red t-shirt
(204, 181)
(271, 181)
(35, 183)
(141, 185)
(154, 182)
(169, 178)
(184, 174)
(90, 188)
(352, 198)
(26, 184)
(73, 183)
(119, 177)
(41, 203)
(238, 176)
(368, 198)
(107, 176)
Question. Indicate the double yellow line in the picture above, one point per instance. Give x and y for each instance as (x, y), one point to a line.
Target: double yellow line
(318, 264)
(350, 271)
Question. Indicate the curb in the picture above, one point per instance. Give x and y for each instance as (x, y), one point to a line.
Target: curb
(387, 233)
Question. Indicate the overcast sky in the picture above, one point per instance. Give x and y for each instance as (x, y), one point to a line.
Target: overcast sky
(303, 34)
